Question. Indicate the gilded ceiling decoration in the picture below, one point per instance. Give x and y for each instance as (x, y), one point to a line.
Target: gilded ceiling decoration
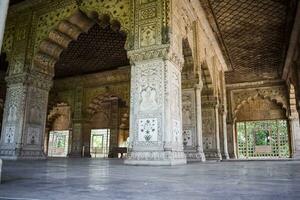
(98, 50)
(253, 34)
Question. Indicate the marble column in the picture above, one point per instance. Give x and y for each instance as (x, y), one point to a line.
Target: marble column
(3, 13)
(114, 130)
(155, 103)
(210, 118)
(78, 122)
(198, 91)
(192, 123)
(24, 117)
(295, 136)
(234, 141)
(155, 114)
(224, 126)
(217, 119)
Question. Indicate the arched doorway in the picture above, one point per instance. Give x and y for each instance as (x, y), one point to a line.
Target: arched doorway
(101, 48)
(262, 130)
(108, 127)
(57, 136)
(78, 45)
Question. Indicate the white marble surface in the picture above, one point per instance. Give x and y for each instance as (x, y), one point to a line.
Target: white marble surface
(112, 180)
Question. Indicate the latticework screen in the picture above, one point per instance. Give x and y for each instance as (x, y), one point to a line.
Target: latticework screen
(263, 139)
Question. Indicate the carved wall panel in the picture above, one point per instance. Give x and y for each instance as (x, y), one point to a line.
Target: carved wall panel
(147, 102)
(12, 114)
(209, 129)
(33, 135)
(189, 119)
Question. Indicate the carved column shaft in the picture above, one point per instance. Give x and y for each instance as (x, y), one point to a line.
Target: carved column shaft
(295, 136)
(218, 130)
(3, 13)
(77, 138)
(155, 122)
(24, 117)
(155, 104)
(224, 121)
(234, 140)
(210, 117)
(198, 91)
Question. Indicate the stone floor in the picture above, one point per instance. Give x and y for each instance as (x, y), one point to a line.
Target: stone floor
(64, 179)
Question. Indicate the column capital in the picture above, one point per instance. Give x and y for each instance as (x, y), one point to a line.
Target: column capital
(210, 101)
(199, 85)
(34, 79)
(160, 51)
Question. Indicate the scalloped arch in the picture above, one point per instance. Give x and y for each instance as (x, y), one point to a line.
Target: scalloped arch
(64, 33)
(52, 114)
(275, 100)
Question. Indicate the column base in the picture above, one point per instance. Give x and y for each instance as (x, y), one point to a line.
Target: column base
(195, 156)
(225, 156)
(22, 154)
(213, 155)
(156, 158)
(74, 155)
(232, 156)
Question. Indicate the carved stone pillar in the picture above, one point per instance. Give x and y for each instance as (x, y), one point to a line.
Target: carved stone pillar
(235, 153)
(198, 91)
(155, 110)
(230, 140)
(210, 123)
(24, 116)
(295, 136)
(3, 13)
(77, 138)
(224, 131)
(192, 124)
(114, 130)
(155, 104)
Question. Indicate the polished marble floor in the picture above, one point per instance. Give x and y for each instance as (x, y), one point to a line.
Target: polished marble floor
(85, 179)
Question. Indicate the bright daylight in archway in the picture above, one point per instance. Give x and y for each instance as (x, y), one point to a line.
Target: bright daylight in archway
(149, 99)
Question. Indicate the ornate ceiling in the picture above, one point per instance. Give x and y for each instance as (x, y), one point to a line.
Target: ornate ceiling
(99, 50)
(253, 35)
